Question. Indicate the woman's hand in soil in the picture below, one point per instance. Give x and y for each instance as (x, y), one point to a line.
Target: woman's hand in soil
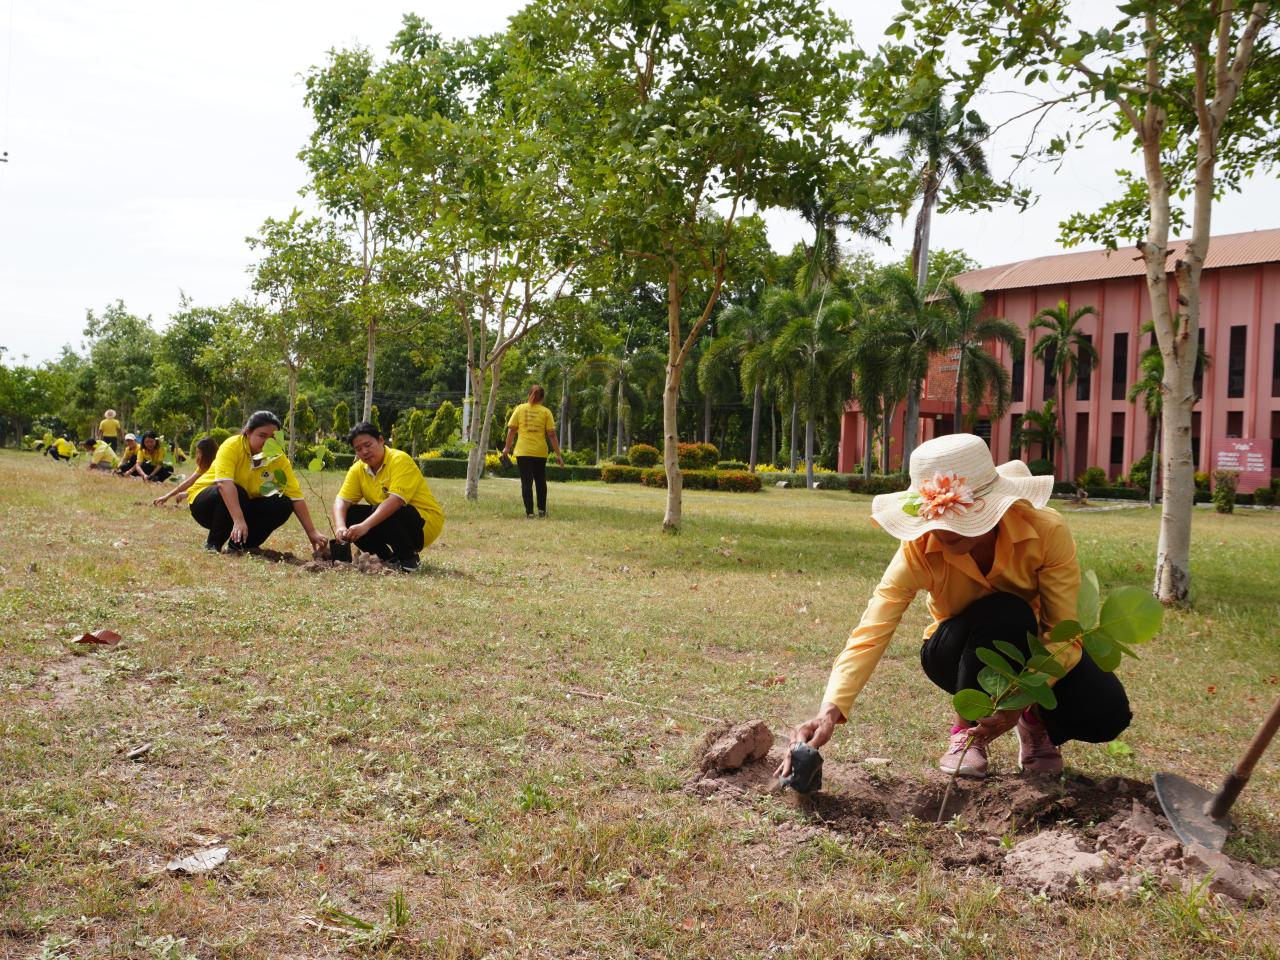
(160, 501)
(239, 532)
(318, 540)
(1000, 722)
(341, 534)
(815, 733)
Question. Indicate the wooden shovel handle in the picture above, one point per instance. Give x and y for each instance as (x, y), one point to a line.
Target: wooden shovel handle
(1237, 778)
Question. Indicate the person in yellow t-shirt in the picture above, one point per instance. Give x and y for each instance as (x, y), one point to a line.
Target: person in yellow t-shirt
(62, 448)
(206, 450)
(228, 499)
(530, 428)
(129, 455)
(109, 430)
(398, 518)
(150, 464)
(997, 566)
(101, 456)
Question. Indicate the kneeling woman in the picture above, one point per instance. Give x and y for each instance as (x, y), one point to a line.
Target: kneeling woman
(151, 456)
(997, 566)
(400, 517)
(227, 499)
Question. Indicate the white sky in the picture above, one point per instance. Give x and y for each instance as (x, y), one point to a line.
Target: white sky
(148, 138)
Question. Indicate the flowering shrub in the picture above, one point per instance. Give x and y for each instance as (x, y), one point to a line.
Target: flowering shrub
(616, 473)
(737, 481)
(429, 455)
(697, 456)
(643, 455)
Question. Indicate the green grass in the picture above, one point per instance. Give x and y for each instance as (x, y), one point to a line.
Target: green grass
(350, 737)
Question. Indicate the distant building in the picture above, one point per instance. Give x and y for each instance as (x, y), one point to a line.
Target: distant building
(1240, 330)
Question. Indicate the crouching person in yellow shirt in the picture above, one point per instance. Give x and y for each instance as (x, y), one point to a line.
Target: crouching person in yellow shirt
(997, 567)
(101, 456)
(399, 517)
(228, 499)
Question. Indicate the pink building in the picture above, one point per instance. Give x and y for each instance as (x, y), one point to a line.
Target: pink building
(1240, 329)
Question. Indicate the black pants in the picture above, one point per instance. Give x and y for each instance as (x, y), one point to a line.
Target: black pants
(533, 470)
(110, 441)
(399, 537)
(126, 464)
(1092, 705)
(157, 474)
(53, 452)
(262, 515)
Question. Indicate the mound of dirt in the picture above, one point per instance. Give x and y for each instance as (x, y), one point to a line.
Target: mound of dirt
(1058, 837)
(361, 562)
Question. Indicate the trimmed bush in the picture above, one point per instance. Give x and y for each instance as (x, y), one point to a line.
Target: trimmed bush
(692, 479)
(1202, 481)
(1224, 490)
(343, 461)
(616, 473)
(1140, 472)
(876, 483)
(731, 465)
(1040, 468)
(643, 455)
(1264, 497)
(697, 456)
(445, 467)
(307, 454)
(579, 458)
(737, 481)
(1093, 477)
(620, 459)
(570, 472)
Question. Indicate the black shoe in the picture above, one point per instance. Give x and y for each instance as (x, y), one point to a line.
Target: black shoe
(542, 514)
(212, 547)
(410, 564)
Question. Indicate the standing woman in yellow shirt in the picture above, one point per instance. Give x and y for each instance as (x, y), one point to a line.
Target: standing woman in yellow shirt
(996, 566)
(228, 499)
(533, 424)
(109, 430)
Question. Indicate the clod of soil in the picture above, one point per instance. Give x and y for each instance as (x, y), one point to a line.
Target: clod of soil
(1072, 837)
(729, 748)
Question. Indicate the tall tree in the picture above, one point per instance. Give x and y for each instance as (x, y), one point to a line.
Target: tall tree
(122, 349)
(1191, 87)
(1040, 427)
(980, 376)
(919, 332)
(745, 345)
(1061, 349)
(676, 116)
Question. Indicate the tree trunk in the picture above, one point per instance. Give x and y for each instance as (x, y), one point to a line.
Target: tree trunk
(911, 426)
(617, 448)
(1155, 467)
(757, 396)
(808, 453)
(369, 363)
(773, 434)
(466, 407)
(795, 428)
(671, 406)
(706, 417)
(869, 440)
(920, 240)
(293, 403)
(564, 409)
(1062, 419)
(475, 456)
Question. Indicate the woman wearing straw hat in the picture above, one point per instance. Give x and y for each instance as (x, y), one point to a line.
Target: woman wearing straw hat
(109, 430)
(996, 566)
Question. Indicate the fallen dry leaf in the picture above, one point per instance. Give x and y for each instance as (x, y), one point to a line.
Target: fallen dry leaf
(1211, 689)
(121, 543)
(200, 862)
(103, 637)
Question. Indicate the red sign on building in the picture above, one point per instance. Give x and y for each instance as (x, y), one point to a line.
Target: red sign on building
(1249, 458)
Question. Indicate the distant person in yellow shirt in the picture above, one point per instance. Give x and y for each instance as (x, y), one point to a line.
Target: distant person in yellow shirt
(206, 450)
(997, 566)
(530, 428)
(399, 517)
(149, 463)
(109, 430)
(228, 498)
(101, 456)
(62, 448)
(128, 456)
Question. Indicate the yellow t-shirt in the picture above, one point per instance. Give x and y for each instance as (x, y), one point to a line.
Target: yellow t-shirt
(1035, 559)
(234, 462)
(532, 421)
(64, 447)
(102, 453)
(398, 476)
(154, 457)
(109, 428)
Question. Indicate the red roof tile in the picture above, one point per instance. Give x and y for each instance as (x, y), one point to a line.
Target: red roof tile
(1228, 250)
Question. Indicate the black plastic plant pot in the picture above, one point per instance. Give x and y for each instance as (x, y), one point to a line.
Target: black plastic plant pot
(339, 551)
(806, 769)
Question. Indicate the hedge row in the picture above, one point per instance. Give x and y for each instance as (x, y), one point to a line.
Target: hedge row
(1065, 489)
(456, 468)
(734, 481)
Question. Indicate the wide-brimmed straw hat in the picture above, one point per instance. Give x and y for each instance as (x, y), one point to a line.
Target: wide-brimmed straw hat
(956, 486)
(110, 414)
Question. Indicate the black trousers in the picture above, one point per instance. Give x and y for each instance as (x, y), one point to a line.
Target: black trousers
(157, 474)
(262, 515)
(533, 471)
(110, 441)
(53, 452)
(126, 464)
(1092, 705)
(399, 537)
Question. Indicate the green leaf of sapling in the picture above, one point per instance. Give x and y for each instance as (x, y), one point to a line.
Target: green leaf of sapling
(1066, 631)
(973, 704)
(316, 465)
(1010, 651)
(994, 683)
(996, 662)
(1104, 653)
(1018, 701)
(1088, 600)
(1043, 696)
(1131, 615)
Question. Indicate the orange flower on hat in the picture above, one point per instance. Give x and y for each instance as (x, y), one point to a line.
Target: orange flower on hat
(946, 492)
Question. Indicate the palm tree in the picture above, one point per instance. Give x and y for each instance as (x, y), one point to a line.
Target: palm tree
(745, 343)
(1068, 346)
(629, 378)
(871, 349)
(1040, 427)
(813, 346)
(920, 331)
(832, 205)
(558, 371)
(979, 375)
(944, 144)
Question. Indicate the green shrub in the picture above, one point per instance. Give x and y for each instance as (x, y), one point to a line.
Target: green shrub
(697, 456)
(731, 465)
(1093, 477)
(219, 434)
(343, 461)
(617, 473)
(643, 455)
(1202, 481)
(1264, 497)
(572, 472)
(877, 483)
(579, 458)
(1040, 468)
(454, 452)
(737, 481)
(691, 479)
(1140, 471)
(447, 467)
(1224, 490)
(620, 459)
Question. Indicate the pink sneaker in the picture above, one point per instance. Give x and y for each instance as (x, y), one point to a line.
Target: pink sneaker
(1036, 752)
(974, 763)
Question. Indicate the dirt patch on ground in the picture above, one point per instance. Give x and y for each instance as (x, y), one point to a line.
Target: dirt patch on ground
(65, 683)
(1058, 837)
(360, 562)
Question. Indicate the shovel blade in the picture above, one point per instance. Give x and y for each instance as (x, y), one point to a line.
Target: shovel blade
(1184, 805)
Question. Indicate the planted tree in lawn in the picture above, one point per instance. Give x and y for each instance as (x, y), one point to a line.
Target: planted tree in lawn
(302, 274)
(980, 375)
(676, 116)
(1061, 349)
(1040, 427)
(341, 420)
(1191, 86)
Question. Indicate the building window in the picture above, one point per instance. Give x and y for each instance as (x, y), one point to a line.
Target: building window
(1120, 366)
(1018, 378)
(1117, 443)
(1050, 377)
(1085, 374)
(1195, 439)
(1236, 361)
(1235, 424)
(1198, 380)
(1015, 428)
(1275, 363)
(1275, 442)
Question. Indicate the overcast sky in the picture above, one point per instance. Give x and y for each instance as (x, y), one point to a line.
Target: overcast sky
(148, 138)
